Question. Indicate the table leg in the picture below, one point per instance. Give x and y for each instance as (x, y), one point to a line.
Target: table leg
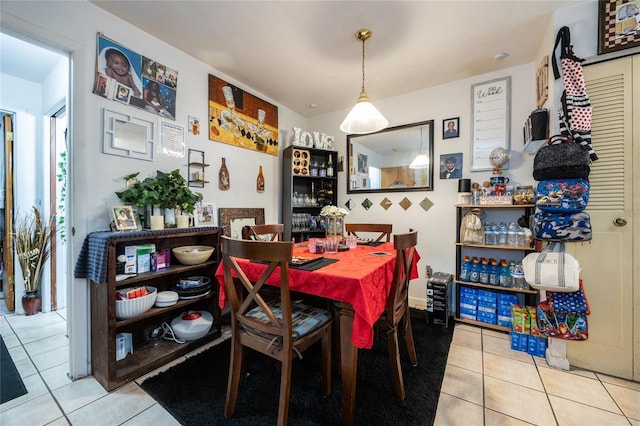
(349, 364)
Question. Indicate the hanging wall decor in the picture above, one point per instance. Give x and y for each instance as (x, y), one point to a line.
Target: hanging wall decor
(491, 118)
(241, 119)
(127, 77)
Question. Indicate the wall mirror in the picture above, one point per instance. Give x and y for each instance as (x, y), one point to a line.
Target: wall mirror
(397, 158)
(128, 136)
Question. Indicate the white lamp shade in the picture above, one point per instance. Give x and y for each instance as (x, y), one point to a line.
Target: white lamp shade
(420, 162)
(363, 118)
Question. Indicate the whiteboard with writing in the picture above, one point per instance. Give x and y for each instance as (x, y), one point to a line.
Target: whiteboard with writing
(490, 118)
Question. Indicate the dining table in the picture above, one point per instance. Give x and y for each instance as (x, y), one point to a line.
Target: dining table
(358, 280)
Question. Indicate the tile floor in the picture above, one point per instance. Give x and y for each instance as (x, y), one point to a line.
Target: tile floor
(485, 383)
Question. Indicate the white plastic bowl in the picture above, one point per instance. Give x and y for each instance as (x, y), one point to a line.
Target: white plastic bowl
(131, 308)
(192, 255)
(192, 325)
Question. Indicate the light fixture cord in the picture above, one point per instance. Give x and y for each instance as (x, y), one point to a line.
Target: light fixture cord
(363, 40)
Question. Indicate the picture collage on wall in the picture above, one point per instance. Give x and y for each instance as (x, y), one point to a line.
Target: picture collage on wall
(125, 76)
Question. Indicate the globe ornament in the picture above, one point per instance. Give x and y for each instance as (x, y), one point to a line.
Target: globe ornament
(498, 158)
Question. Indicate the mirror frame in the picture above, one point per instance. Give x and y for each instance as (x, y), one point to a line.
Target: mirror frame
(357, 138)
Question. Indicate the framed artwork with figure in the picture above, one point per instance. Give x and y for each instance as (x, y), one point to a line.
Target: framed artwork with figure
(450, 128)
(618, 25)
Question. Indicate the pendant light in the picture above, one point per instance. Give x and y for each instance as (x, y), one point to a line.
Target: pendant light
(364, 117)
(421, 161)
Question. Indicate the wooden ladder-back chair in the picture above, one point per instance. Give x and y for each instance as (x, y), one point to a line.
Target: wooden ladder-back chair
(382, 229)
(273, 232)
(397, 315)
(266, 320)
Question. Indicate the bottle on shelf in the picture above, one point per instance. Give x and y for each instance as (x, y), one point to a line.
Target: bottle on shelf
(505, 274)
(314, 169)
(488, 233)
(512, 234)
(465, 269)
(322, 171)
(494, 272)
(502, 234)
(224, 181)
(260, 181)
(314, 200)
(330, 167)
(484, 271)
(474, 274)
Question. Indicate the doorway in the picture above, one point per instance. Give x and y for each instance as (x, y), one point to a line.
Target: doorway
(35, 81)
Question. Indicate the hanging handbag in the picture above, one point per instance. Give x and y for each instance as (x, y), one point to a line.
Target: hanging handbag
(561, 158)
(552, 269)
(562, 195)
(575, 111)
(561, 227)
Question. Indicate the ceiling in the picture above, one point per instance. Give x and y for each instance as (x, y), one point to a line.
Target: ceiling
(300, 53)
(27, 61)
(303, 54)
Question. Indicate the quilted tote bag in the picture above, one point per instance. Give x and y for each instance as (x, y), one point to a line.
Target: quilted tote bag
(552, 269)
(561, 158)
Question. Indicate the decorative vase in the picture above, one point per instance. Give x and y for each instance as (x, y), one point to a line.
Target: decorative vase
(335, 227)
(182, 220)
(31, 302)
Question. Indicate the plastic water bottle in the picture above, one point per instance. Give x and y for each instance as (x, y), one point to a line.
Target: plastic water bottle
(488, 233)
(502, 235)
(484, 271)
(474, 275)
(512, 234)
(505, 274)
(494, 272)
(465, 269)
(518, 277)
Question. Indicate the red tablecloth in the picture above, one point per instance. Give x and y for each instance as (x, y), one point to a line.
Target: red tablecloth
(359, 278)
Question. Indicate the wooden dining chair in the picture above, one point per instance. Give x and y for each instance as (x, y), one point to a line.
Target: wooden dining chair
(267, 321)
(382, 230)
(397, 315)
(272, 232)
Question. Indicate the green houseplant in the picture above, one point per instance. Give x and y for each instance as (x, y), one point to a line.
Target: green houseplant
(31, 240)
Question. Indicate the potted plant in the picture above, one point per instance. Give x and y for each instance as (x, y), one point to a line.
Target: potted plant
(31, 240)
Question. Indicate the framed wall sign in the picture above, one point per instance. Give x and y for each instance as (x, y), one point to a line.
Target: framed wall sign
(618, 25)
(490, 120)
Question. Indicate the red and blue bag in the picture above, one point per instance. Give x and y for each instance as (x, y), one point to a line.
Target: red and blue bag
(564, 315)
(562, 195)
(561, 227)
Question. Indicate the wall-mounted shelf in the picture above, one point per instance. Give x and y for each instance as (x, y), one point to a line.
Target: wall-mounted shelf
(196, 168)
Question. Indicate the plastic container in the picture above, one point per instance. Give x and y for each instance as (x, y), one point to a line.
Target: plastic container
(465, 269)
(505, 274)
(494, 272)
(474, 275)
(484, 271)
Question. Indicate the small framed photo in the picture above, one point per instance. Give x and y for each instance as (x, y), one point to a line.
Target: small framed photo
(124, 218)
(618, 25)
(451, 166)
(206, 214)
(123, 93)
(450, 128)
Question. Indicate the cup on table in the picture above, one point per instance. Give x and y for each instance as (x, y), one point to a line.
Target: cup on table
(331, 245)
(312, 245)
(352, 241)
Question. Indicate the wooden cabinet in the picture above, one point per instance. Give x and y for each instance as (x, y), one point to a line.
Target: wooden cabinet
(300, 188)
(494, 213)
(104, 324)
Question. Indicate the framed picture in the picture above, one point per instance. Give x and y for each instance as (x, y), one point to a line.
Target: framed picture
(491, 118)
(451, 166)
(205, 214)
(363, 163)
(618, 25)
(233, 219)
(124, 218)
(450, 128)
(128, 136)
(542, 81)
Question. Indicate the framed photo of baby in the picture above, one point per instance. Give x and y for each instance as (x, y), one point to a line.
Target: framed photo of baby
(450, 128)
(125, 76)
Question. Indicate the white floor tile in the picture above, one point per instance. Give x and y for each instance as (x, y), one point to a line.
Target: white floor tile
(627, 399)
(464, 357)
(469, 339)
(57, 376)
(39, 411)
(35, 388)
(517, 401)
(502, 347)
(463, 384)
(494, 418)
(130, 400)
(454, 411)
(51, 359)
(154, 415)
(573, 413)
(47, 344)
(78, 394)
(576, 388)
(618, 381)
(511, 370)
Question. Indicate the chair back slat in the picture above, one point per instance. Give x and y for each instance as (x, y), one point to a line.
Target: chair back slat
(383, 230)
(397, 302)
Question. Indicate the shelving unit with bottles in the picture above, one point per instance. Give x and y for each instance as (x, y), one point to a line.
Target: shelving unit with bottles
(494, 213)
(300, 188)
(105, 326)
(195, 168)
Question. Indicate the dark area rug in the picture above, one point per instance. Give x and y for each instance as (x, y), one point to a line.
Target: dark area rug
(194, 391)
(11, 385)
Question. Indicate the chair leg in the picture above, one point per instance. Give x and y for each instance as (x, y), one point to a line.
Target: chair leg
(326, 362)
(285, 390)
(394, 364)
(408, 338)
(235, 371)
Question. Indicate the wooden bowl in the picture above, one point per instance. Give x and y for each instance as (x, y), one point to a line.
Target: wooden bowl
(192, 255)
